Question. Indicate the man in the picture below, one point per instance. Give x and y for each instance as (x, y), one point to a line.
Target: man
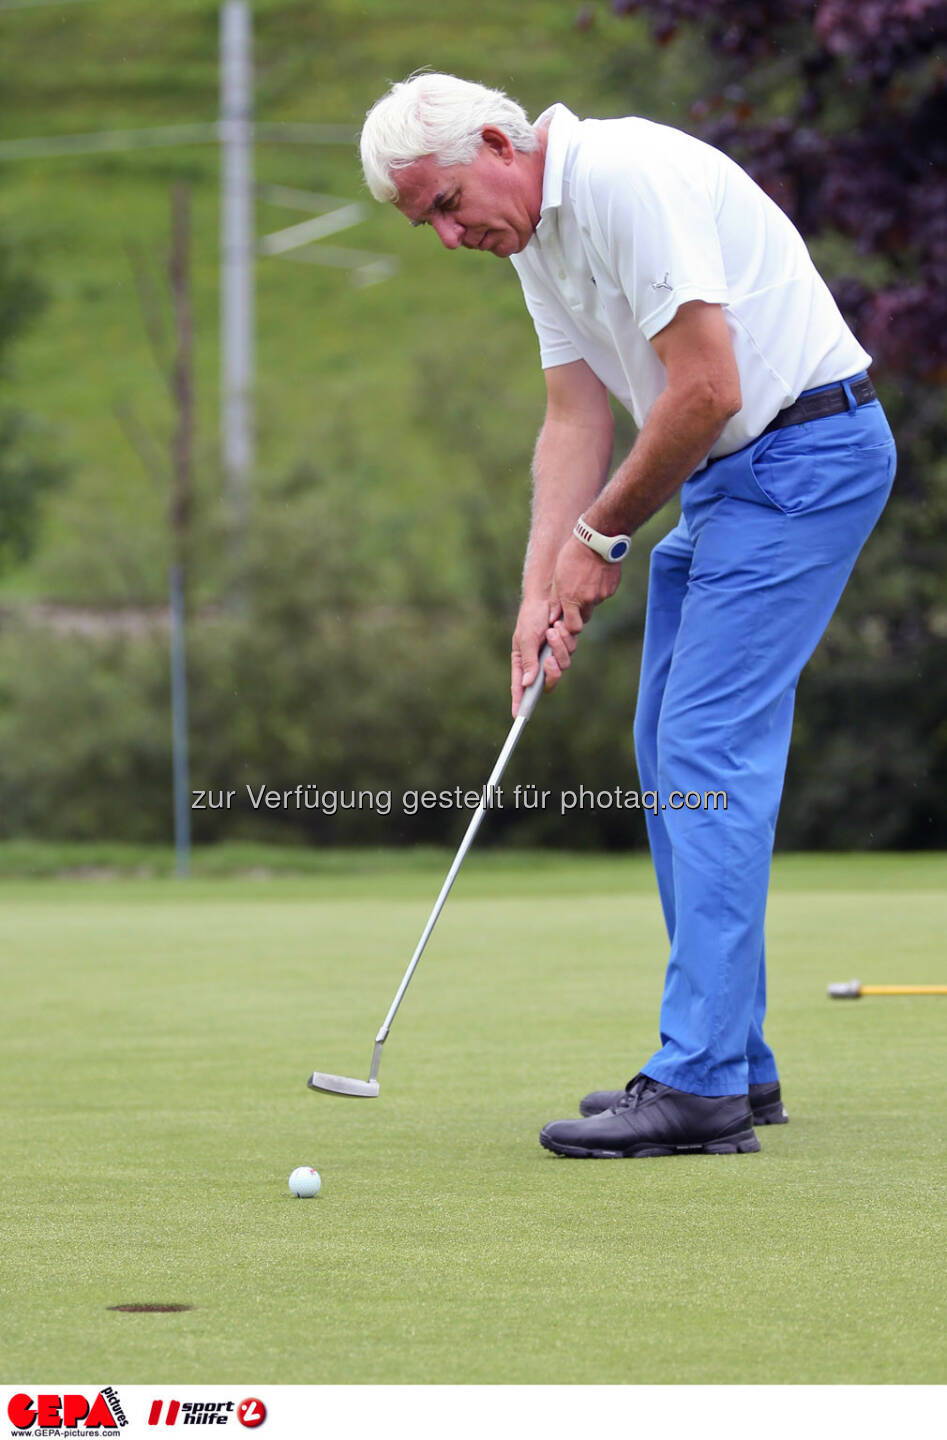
(656, 271)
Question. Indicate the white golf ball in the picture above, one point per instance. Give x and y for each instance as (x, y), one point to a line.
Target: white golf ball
(305, 1182)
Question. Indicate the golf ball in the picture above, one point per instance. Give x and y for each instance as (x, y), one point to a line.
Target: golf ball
(305, 1182)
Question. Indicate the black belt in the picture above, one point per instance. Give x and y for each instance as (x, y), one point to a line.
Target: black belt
(825, 402)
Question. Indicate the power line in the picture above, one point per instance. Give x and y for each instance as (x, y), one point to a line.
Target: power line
(154, 136)
(35, 4)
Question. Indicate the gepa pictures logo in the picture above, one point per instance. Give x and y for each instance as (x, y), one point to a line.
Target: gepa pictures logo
(48, 1414)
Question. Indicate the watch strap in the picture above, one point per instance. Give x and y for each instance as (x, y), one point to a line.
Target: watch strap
(612, 548)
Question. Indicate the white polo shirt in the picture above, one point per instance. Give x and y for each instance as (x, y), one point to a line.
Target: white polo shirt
(637, 219)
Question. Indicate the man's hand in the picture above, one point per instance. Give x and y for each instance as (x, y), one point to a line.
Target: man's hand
(581, 581)
(532, 625)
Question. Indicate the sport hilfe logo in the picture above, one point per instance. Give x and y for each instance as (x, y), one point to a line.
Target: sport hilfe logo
(51, 1413)
(250, 1413)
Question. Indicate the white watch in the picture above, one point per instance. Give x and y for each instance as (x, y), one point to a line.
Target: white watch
(611, 547)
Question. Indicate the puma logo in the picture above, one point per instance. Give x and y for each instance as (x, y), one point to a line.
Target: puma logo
(664, 284)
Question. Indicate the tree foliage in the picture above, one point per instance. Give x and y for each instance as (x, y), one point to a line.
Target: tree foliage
(860, 145)
(26, 471)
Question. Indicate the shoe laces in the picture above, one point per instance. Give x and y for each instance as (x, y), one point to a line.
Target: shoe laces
(636, 1089)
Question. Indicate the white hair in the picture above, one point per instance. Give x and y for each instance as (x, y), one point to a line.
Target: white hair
(439, 115)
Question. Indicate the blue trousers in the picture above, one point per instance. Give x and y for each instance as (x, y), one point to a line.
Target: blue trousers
(740, 593)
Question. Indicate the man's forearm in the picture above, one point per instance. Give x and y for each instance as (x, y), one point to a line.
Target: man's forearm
(677, 435)
(570, 466)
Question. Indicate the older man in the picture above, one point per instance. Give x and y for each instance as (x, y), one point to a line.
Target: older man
(656, 271)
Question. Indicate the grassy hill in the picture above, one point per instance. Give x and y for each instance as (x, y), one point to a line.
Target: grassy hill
(400, 394)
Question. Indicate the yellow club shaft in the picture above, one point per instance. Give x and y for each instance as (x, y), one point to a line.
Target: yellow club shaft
(904, 989)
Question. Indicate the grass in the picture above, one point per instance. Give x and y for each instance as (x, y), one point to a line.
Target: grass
(156, 1038)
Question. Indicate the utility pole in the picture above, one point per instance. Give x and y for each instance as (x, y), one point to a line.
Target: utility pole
(237, 244)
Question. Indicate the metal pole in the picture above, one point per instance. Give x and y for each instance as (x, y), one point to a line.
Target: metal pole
(182, 383)
(236, 257)
(182, 785)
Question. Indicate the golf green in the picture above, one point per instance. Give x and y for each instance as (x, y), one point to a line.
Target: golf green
(156, 1041)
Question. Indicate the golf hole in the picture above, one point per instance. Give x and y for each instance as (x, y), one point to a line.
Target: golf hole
(151, 1309)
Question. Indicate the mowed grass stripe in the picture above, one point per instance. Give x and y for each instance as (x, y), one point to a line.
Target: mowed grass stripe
(156, 1045)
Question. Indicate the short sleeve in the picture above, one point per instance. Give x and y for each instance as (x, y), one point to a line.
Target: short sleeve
(657, 228)
(555, 347)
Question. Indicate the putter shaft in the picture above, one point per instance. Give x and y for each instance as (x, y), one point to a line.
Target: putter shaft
(342, 1085)
(527, 706)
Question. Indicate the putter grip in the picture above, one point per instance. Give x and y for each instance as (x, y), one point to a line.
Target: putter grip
(531, 696)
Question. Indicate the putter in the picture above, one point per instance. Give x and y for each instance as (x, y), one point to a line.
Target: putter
(368, 1089)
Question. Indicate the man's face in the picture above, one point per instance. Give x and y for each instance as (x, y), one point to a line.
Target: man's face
(491, 204)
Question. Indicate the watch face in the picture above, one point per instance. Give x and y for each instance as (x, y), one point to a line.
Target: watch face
(618, 551)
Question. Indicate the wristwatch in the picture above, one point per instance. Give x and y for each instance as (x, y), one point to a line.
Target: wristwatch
(611, 547)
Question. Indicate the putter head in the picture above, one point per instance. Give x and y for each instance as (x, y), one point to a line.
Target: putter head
(341, 1085)
(845, 990)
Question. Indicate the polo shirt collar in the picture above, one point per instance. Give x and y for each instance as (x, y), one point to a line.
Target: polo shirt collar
(562, 124)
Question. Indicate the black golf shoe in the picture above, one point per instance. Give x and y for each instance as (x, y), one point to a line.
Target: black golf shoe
(766, 1102)
(654, 1119)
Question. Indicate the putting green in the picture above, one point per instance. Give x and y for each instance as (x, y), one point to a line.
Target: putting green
(156, 1041)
